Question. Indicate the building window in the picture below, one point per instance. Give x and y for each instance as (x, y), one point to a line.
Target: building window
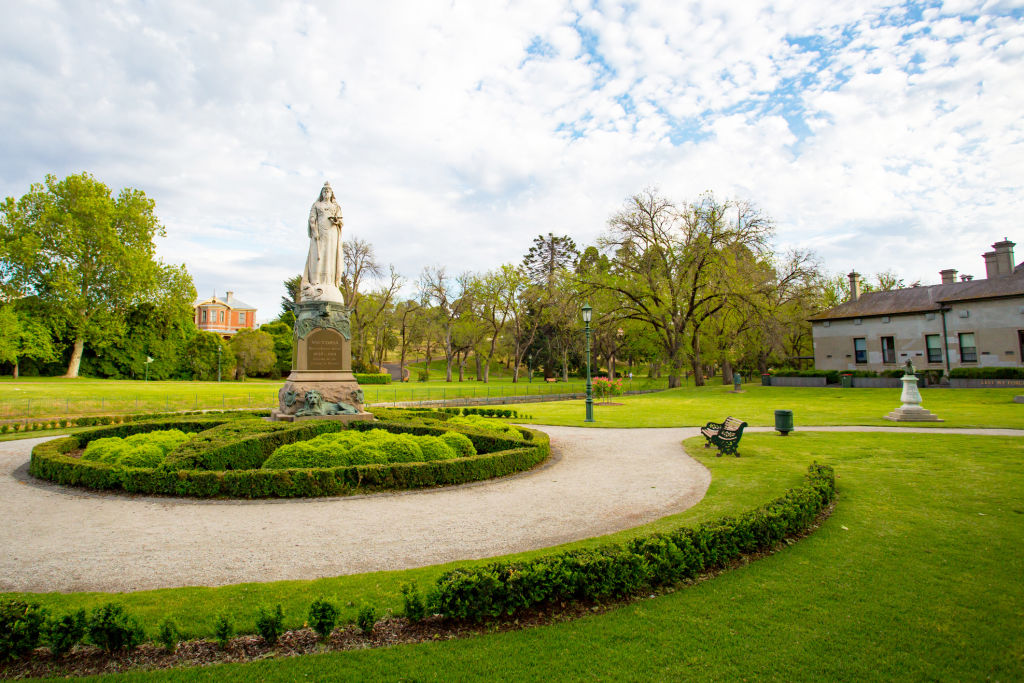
(933, 343)
(888, 350)
(860, 350)
(204, 315)
(221, 316)
(968, 351)
(241, 317)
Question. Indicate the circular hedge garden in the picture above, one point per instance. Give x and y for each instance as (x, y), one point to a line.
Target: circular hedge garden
(245, 456)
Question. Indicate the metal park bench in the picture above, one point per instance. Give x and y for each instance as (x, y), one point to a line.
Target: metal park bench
(724, 435)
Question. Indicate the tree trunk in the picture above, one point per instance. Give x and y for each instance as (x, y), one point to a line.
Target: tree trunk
(479, 368)
(726, 372)
(611, 366)
(15, 368)
(76, 358)
(762, 363)
(698, 367)
(565, 365)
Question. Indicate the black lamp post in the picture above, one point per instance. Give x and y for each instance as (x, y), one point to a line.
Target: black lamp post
(529, 359)
(218, 360)
(587, 312)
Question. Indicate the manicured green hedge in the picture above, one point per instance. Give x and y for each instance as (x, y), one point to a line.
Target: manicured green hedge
(373, 378)
(496, 457)
(831, 376)
(987, 373)
(614, 570)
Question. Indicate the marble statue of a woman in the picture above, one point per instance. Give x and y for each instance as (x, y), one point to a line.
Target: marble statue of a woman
(324, 264)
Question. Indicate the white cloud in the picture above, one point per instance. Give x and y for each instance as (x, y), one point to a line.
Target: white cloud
(449, 142)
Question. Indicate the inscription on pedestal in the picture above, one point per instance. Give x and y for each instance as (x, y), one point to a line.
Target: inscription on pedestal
(324, 350)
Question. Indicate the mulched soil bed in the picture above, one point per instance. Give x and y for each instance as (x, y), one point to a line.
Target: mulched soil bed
(87, 660)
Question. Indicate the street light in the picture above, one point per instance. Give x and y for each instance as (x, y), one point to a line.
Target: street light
(529, 359)
(587, 312)
(218, 360)
(148, 361)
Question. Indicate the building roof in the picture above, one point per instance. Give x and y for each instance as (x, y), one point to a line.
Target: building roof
(930, 298)
(231, 301)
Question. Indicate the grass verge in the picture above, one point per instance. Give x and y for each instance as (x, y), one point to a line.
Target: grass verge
(916, 576)
(695, 406)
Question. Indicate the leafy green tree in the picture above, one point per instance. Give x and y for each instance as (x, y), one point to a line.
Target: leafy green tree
(283, 345)
(23, 336)
(548, 256)
(88, 255)
(201, 357)
(670, 266)
(254, 353)
(293, 287)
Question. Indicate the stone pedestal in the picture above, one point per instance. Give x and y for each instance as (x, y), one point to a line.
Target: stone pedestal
(321, 384)
(911, 410)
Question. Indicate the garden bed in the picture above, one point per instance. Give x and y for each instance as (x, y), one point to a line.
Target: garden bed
(225, 457)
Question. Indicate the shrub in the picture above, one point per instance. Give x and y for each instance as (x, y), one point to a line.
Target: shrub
(113, 630)
(415, 608)
(987, 373)
(167, 634)
(366, 619)
(604, 387)
(611, 570)
(223, 629)
(146, 449)
(270, 623)
(436, 448)
(21, 624)
(496, 455)
(460, 443)
(831, 376)
(373, 377)
(479, 422)
(322, 617)
(63, 633)
(3, 429)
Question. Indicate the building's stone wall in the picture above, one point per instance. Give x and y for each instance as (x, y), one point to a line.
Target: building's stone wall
(996, 324)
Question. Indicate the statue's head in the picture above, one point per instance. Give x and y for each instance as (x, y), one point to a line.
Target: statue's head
(327, 194)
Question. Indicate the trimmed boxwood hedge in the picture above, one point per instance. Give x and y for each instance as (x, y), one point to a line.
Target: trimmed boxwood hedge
(618, 569)
(372, 377)
(987, 373)
(496, 457)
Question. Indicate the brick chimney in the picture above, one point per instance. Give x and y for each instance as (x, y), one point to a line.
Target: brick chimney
(966, 278)
(229, 297)
(948, 276)
(854, 285)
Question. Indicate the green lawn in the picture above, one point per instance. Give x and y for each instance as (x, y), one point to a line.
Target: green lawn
(40, 397)
(756, 404)
(917, 575)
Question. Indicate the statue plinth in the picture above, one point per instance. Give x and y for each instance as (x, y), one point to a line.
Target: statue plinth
(321, 384)
(910, 397)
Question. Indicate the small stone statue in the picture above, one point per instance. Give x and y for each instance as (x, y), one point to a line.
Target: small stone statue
(909, 369)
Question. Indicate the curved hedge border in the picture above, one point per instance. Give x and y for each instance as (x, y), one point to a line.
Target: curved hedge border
(615, 570)
(500, 457)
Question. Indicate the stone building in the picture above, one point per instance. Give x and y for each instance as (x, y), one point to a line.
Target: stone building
(224, 316)
(965, 323)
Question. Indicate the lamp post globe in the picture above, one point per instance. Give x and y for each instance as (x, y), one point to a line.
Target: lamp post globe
(587, 313)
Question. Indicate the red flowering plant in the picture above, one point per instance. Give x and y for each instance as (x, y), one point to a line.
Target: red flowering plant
(604, 387)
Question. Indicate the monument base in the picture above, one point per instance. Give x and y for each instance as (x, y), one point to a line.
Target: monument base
(277, 416)
(912, 414)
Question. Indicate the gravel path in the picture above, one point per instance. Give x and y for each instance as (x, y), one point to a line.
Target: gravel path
(598, 481)
(62, 539)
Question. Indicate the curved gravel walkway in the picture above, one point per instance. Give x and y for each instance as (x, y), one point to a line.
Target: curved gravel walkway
(55, 538)
(62, 539)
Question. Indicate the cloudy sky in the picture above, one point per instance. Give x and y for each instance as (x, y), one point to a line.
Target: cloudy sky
(879, 135)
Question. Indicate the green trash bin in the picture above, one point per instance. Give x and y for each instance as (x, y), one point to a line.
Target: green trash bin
(766, 380)
(847, 381)
(784, 421)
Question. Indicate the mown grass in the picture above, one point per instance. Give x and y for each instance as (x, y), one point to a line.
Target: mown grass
(38, 397)
(917, 575)
(811, 406)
